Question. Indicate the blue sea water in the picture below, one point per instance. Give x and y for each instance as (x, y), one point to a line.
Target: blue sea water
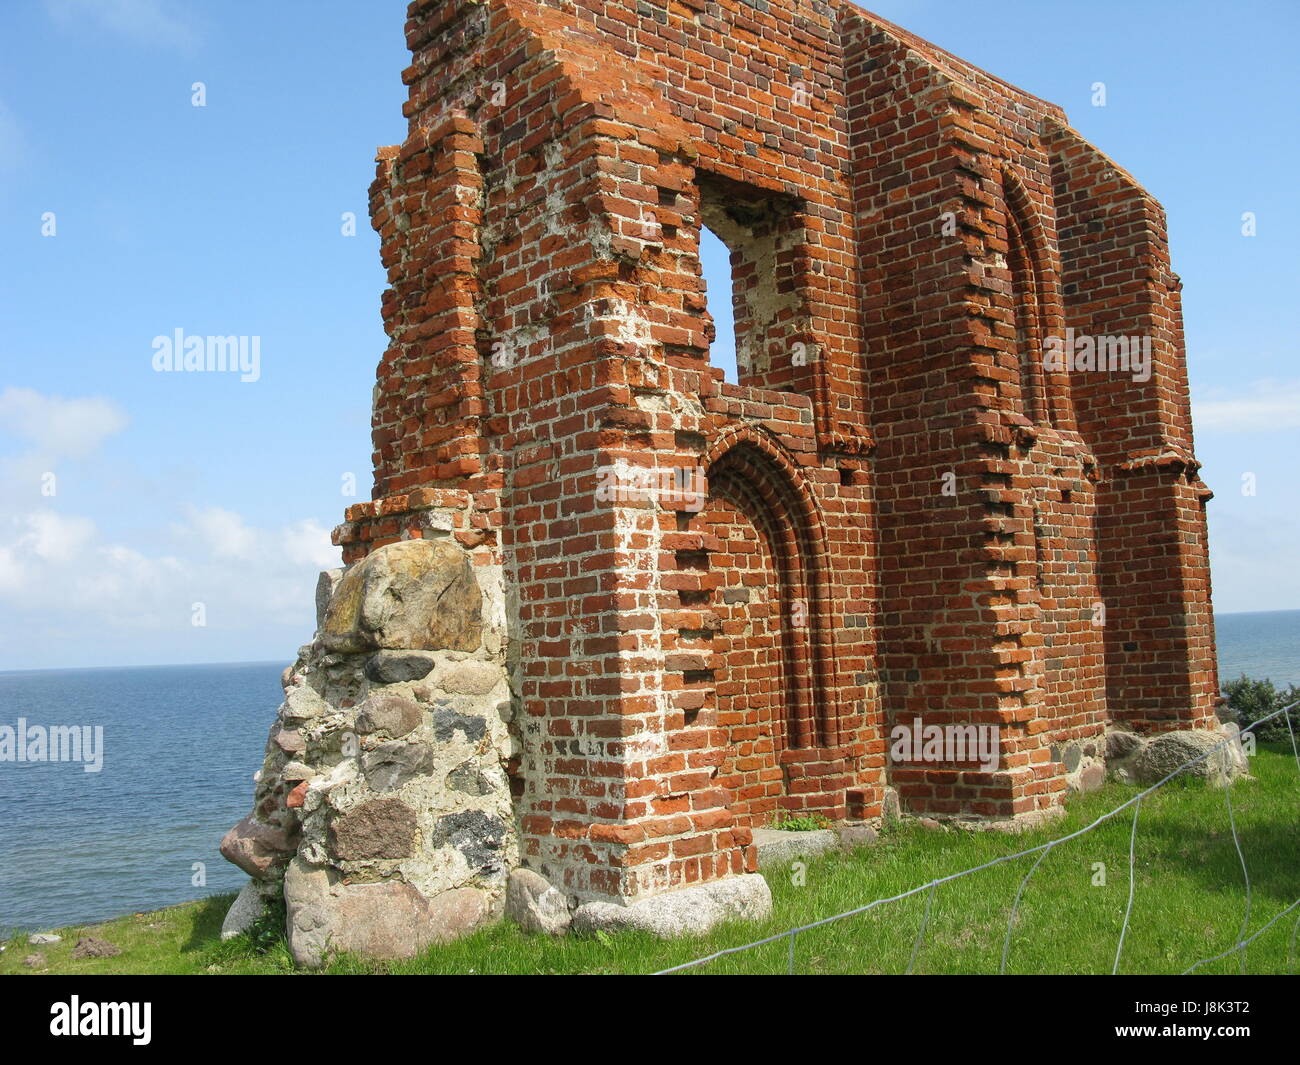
(1263, 646)
(181, 744)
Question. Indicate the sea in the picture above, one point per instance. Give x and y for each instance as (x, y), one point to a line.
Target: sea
(180, 747)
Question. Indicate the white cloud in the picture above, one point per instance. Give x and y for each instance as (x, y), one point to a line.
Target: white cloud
(307, 543)
(57, 428)
(57, 568)
(221, 532)
(9, 572)
(55, 538)
(1265, 406)
(70, 595)
(143, 21)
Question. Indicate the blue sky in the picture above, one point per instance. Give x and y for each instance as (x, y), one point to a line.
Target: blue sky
(227, 219)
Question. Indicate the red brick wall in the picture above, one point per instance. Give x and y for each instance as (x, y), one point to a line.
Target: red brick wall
(752, 649)
(1160, 658)
(919, 536)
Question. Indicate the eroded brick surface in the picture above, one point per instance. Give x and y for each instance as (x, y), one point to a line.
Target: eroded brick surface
(722, 597)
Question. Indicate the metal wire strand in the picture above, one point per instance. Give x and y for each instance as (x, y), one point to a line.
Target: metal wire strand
(1015, 909)
(1040, 849)
(1132, 877)
(920, 932)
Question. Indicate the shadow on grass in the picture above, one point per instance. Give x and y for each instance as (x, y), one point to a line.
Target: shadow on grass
(205, 927)
(1267, 829)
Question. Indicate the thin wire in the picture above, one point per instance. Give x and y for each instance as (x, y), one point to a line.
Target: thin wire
(1015, 908)
(1241, 946)
(1132, 876)
(916, 945)
(706, 959)
(1232, 821)
(1245, 943)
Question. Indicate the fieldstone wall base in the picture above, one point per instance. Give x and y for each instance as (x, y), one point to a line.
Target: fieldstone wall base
(1084, 761)
(382, 809)
(1011, 826)
(385, 921)
(689, 911)
(1134, 759)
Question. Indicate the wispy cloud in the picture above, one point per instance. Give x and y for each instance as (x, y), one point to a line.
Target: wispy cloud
(61, 568)
(1264, 406)
(56, 427)
(61, 573)
(40, 432)
(1253, 560)
(142, 21)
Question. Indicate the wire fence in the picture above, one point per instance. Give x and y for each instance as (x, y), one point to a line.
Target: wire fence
(1042, 851)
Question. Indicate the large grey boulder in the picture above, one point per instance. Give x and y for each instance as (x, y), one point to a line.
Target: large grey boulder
(385, 921)
(853, 837)
(687, 911)
(1166, 752)
(535, 905)
(414, 595)
(779, 847)
(244, 911)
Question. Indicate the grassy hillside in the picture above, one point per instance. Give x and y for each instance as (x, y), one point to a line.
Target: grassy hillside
(1189, 903)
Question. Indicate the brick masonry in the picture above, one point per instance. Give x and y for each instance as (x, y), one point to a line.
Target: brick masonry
(721, 598)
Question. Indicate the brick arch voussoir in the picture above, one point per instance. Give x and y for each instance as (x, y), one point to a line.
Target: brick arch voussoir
(1048, 298)
(772, 476)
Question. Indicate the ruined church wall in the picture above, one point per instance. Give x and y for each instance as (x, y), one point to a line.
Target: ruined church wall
(988, 571)
(549, 335)
(1160, 654)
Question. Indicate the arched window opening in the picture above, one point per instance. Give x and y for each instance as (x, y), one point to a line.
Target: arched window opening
(1026, 296)
(715, 259)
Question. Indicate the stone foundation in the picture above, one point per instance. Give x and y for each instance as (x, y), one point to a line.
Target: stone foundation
(382, 812)
(1134, 759)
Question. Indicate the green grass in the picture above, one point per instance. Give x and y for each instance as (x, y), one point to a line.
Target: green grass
(1189, 903)
(807, 823)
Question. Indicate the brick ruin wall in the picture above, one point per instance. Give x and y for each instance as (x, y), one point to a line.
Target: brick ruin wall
(720, 598)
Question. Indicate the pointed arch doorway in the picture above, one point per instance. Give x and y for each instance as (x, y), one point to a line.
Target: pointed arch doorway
(771, 637)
